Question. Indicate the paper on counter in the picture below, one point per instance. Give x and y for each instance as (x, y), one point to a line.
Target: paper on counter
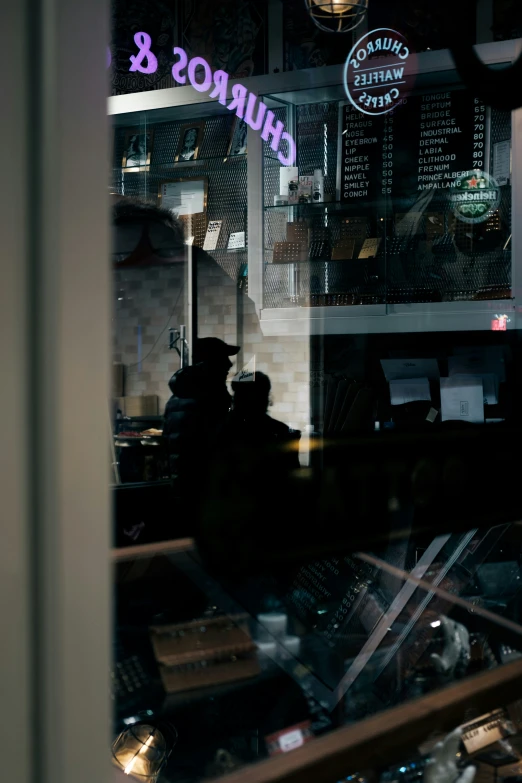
(462, 398)
(409, 390)
(406, 369)
(476, 366)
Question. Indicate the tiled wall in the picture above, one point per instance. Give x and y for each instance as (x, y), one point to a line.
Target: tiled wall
(150, 300)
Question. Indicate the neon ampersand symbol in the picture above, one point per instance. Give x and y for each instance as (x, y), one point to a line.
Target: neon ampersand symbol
(501, 88)
(143, 42)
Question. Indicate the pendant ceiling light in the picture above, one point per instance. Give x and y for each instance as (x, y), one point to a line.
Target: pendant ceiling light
(337, 16)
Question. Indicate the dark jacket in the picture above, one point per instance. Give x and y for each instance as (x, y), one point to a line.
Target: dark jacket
(261, 434)
(193, 415)
(252, 492)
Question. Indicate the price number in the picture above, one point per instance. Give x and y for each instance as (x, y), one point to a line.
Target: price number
(479, 131)
(387, 155)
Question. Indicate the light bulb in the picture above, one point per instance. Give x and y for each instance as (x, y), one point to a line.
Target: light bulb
(140, 751)
(337, 16)
(130, 766)
(334, 7)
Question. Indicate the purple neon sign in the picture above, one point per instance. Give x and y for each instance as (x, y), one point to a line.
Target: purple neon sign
(244, 104)
(143, 42)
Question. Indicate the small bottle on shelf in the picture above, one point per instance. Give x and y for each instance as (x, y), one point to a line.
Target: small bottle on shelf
(318, 187)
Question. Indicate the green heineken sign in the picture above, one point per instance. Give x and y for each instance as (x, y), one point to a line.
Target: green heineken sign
(474, 196)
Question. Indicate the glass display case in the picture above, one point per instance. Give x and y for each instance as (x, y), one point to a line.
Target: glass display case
(383, 197)
(251, 667)
(382, 228)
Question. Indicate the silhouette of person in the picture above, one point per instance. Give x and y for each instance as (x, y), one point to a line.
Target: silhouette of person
(248, 424)
(197, 409)
(251, 481)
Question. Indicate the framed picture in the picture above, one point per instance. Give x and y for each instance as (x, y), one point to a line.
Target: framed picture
(189, 144)
(137, 150)
(237, 144)
(187, 198)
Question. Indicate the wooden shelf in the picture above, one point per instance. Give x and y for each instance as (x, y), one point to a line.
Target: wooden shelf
(150, 550)
(389, 737)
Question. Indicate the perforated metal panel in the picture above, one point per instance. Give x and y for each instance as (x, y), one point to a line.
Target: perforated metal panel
(317, 140)
(317, 281)
(466, 262)
(271, 163)
(227, 177)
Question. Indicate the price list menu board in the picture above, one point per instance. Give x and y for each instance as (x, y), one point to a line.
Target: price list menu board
(361, 149)
(425, 144)
(435, 139)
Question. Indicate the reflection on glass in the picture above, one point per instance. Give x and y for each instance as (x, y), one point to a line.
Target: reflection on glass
(141, 751)
(272, 595)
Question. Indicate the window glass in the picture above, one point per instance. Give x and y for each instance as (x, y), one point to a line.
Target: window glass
(315, 381)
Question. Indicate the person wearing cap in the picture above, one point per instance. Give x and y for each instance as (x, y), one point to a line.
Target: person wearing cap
(196, 411)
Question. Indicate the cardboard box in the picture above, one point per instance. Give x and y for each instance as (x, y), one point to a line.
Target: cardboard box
(145, 405)
(118, 379)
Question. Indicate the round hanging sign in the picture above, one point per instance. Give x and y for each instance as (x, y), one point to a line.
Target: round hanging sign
(375, 73)
(474, 196)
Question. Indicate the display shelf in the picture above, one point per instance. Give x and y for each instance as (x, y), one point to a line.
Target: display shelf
(336, 206)
(390, 736)
(178, 165)
(387, 318)
(393, 186)
(323, 84)
(145, 551)
(225, 251)
(315, 261)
